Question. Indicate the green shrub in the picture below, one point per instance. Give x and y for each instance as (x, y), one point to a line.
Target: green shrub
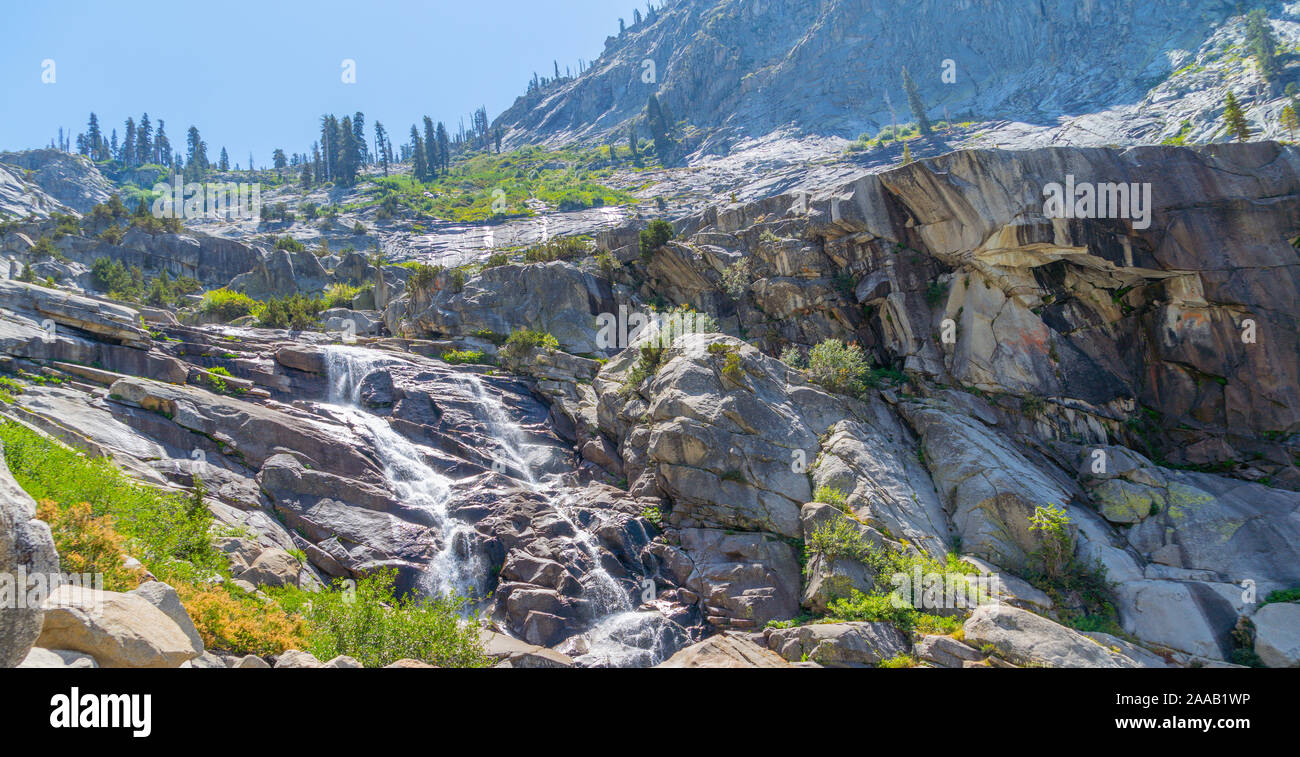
(646, 367)
(227, 305)
(839, 367)
(792, 357)
(461, 357)
(377, 628)
(830, 496)
(340, 295)
(525, 341)
(290, 244)
(296, 312)
(496, 260)
(559, 248)
(655, 236)
(423, 275)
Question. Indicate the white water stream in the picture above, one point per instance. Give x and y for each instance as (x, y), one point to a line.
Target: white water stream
(621, 637)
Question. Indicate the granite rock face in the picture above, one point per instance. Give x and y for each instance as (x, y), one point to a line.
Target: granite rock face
(748, 69)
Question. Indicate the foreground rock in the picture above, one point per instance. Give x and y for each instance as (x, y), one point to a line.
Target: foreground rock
(118, 630)
(839, 645)
(1277, 634)
(725, 651)
(1031, 640)
(26, 548)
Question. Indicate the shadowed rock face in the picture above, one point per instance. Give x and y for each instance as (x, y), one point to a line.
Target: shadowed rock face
(1186, 327)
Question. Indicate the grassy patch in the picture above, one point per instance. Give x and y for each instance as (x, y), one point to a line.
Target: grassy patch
(484, 186)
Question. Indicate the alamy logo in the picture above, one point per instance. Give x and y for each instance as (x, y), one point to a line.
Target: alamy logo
(77, 710)
(1106, 200)
(209, 201)
(620, 331)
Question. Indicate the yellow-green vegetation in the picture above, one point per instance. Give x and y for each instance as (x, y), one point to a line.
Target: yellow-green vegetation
(98, 514)
(295, 311)
(831, 496)
(227, 305)
(899, 661)
(646, 367)
(1180, 138)
(486, 185)
(524, 342)
(462, 357)
(374, 625)
(842, 539)
(340, 295)
(731, 367)
(1069, 581)
(9, 389)
(842, 368)
(559, 248)
(900, 133)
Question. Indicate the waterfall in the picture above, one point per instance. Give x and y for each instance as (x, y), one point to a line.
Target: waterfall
(455, 568)
(622, 636)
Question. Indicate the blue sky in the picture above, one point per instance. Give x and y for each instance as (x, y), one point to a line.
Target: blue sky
(254, 76)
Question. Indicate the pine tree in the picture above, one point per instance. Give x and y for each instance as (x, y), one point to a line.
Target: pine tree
(329, 133)
(196, 157)
(349, 154)
(305, 177)
(444, 147)
(381, 146)
(914, 102)
(430, 150)
(657, 123)
(144, 141)
(223, 163)
(1262, 43)
(277, 159)
(359, 136)
(128, 144)
(419, 164)
(631, 143)
(1289, 120)
(94, 146)
(1235, 118)
(162, 148)
(907, 153)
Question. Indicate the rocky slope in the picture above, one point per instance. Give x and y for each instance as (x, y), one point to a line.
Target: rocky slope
(733, 70)
(624, 514)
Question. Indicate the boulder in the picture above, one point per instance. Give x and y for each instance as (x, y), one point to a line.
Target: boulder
(165, 598)
(57, 658)
(118, 630)
(725, 651)
(295, 658)
(519, 654)
(273, 567)
(1277, 634)
(839, 645)
(1031, 640)
(26, 549)
(945, 651)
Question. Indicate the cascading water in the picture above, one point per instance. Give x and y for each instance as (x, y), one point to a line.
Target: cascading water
(455, 567)
(622, 636)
